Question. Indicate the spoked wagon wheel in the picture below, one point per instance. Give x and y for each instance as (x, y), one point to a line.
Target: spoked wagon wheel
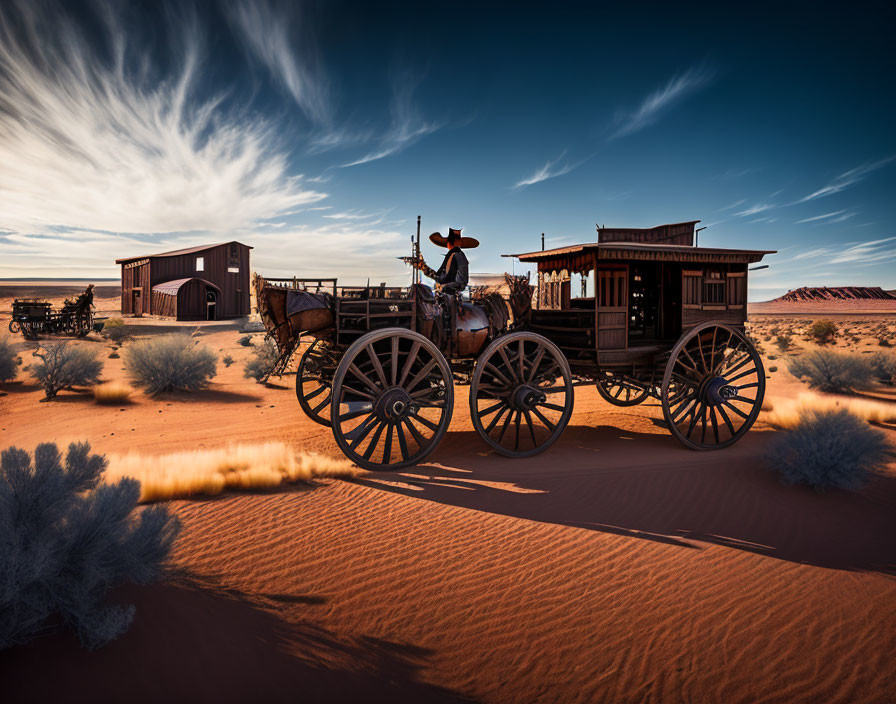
(713, 387)
(393, 396)
(521, 395)
(312, 387)
(619, 390)
(14, 326)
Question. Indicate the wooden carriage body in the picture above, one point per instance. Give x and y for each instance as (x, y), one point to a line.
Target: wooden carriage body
(638, 293)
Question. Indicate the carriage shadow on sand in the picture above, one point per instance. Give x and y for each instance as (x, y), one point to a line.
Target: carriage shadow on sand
(665, 493)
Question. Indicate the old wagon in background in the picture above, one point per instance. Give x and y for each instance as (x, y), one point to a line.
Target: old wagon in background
(34, 317)
(665, 319)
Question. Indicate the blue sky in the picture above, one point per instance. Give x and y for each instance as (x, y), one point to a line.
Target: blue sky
(317, 132)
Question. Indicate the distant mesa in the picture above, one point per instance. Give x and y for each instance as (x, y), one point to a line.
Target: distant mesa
(830, 299)
(837, 293)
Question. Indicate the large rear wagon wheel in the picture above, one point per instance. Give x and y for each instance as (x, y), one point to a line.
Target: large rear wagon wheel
(312, 387)
(620, 390)
(713, 387)
(393, 397)
(521, 396)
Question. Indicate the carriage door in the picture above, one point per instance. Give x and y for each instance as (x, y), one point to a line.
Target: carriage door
(612, 309)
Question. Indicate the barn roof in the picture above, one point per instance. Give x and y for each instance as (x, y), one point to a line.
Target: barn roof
(172, 287)
(178, 252)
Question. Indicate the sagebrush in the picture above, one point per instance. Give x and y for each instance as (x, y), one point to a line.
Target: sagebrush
(65, 366)
(829, 449)
(262, 361)
(827, 370)
(66, 538)
(8, 365)
(170, 363)
(823, 332)
(883, 367)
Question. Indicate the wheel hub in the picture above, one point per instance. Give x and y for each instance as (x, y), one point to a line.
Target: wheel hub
(394, 404)
(716, 391)
(525, 397)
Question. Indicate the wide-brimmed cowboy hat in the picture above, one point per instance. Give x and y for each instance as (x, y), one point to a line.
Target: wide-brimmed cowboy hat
(459, 241)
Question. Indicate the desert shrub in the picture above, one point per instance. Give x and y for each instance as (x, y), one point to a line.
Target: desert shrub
(883, 342)
(64, 366)
(883, 367)
(66, 538)
(112, 392)
(228, 360)
(170, 363)
(783, 342)
(262, 361)
(773, 369)
(114, 355)
(246, 341)
(116, 330)
(823, 332)
(829, 449)
(8, 361)
(826, 370)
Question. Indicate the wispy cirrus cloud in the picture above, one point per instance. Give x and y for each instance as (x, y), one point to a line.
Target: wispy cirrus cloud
(754, 209)
(662, 100)
(875, 251)
(551, 169)
(282, 40)
(829, 218)
(408, 126)
(104, 144)
(847, 179)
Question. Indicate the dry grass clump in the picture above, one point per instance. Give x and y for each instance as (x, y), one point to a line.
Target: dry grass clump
(826, 370)
(786, 412)
(184, 474)
(112, 392)
(829, 449)
(116, 330)
(170, 363)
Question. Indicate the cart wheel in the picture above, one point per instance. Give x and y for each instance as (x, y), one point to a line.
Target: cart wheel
(521, 395)
(620, 390)
(713, 387)
(393, 396)
(14, 327)
(312, 388)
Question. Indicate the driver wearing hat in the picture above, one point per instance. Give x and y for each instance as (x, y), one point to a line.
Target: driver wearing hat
(454, 273)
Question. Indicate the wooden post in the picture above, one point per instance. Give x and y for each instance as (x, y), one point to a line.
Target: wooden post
(542, 241)
(417, 273)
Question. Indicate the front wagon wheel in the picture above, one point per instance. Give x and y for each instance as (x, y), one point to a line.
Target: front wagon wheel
(393, 397)
(713, 387)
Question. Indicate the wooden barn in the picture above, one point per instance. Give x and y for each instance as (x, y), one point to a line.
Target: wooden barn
(209, 282)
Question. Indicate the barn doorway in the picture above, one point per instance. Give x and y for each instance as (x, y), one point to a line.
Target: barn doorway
(137, 302)
(211, 304)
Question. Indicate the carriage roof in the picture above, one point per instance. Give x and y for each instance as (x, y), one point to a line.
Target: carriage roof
(581, 257)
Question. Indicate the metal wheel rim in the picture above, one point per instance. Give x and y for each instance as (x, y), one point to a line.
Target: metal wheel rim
(692, 413)
(424, 385)
(503, 412)
(607, 381)
(316, 403)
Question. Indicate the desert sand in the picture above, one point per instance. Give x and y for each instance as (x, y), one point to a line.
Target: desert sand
(617, 566)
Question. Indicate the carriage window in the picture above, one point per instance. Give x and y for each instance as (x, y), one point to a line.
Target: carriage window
(714, 288)
(691, 288)
(200, 264)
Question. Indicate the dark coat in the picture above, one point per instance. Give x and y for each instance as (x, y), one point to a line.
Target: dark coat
(454, 272)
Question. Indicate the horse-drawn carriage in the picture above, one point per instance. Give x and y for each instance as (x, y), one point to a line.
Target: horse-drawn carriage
(34, 317)
(665, 321)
